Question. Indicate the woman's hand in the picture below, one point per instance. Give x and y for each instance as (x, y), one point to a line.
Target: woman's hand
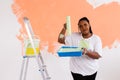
(84, 51)
(65, 26)
(61, 37)
(91, 54)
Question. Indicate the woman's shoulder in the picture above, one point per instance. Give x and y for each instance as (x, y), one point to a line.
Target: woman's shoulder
(95, 36)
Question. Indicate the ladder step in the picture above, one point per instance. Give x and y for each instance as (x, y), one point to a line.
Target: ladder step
(42, 69)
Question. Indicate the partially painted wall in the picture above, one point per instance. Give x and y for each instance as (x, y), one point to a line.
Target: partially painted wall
(47, 18)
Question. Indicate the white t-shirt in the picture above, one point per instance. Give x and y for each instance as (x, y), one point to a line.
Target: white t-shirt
(84, 64)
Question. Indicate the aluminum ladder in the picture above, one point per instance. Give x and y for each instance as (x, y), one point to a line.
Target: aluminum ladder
(37, 55)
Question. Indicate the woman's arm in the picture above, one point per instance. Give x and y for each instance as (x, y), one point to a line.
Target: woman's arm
(61, 37)
(91, 54)
(97, 53)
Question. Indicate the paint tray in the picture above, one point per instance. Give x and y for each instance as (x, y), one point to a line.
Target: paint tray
(68, 51)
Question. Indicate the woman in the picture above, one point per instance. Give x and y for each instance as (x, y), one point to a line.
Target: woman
(84, 67)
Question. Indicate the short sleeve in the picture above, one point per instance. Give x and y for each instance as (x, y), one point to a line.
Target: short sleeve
(98, 46)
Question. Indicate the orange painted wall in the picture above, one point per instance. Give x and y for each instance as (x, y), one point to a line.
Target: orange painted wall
(48, 16)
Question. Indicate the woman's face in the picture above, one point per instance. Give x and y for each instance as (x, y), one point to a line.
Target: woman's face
(84, 27)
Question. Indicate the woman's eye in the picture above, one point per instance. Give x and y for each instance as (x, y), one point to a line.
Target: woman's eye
(80, 26)
(85, 24)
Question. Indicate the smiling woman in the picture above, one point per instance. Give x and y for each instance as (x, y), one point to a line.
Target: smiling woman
(86, 66)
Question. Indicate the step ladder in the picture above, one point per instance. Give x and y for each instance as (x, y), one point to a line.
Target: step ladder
(31, 49)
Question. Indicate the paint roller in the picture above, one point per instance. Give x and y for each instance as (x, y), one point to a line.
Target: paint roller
(68, 25)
